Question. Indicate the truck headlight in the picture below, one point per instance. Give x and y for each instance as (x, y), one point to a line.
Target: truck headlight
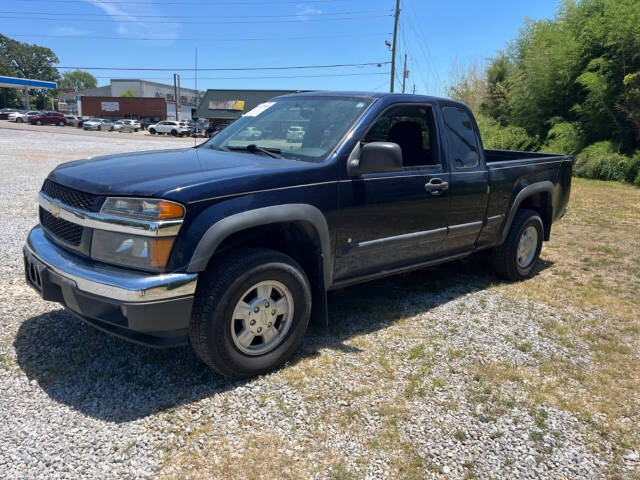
(142, 208)
(147, 253)
(129, 249)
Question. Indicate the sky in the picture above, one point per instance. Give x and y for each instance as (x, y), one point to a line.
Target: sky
(243, 34)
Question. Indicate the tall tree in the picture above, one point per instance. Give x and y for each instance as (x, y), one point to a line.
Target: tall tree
(19, 59)
(78, 80)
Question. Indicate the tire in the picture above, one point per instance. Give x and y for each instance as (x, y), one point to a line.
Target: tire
(507, 260)
(38, 122)
(215, 334)
(152, 131)
(61, 124)
(99, 129)
(19, 120)
(174, 133)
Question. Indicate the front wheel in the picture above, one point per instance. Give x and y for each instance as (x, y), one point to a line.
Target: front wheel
(516, 258)
(250, 312)
(152, 131)
(20, 120)
(38, 122)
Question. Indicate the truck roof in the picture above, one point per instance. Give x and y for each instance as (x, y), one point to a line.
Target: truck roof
(373, 95)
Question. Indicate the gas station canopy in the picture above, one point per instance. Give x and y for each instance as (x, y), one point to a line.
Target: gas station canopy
(22, 83)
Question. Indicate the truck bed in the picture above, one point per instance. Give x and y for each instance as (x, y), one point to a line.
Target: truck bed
(509, 155)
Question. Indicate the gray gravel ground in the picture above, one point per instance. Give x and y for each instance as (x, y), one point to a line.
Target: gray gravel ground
(397, 375)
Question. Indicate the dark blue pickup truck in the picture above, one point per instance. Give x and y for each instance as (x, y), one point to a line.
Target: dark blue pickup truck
(231, 246)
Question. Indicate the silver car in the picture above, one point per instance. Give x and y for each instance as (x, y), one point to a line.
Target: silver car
(130, 126)
(97, 124)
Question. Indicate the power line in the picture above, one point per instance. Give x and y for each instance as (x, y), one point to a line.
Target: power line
(207, 22)
(304, 15)
(262, 77)
(231, 69)
(195, 39)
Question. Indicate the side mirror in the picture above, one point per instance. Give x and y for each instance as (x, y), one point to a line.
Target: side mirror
(376, 157)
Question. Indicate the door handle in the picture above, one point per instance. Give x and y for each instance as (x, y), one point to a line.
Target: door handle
(436, 185)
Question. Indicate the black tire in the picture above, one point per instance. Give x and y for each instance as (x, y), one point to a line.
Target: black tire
(505, 257)
(218, 292)
(38, 122)
(61, 124)
(99, 128)
(152, 131)
(174, 133)
(20, 120)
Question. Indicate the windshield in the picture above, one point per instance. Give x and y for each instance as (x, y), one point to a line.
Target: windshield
(320, 122)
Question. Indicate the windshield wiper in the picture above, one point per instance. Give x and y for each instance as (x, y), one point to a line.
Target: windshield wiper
(215, 147)
(253, 148)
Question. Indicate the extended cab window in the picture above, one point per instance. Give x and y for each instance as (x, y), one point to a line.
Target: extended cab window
(412, 127)
(463, 143)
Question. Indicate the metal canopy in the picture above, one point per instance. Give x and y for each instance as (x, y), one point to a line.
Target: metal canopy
(22, 83)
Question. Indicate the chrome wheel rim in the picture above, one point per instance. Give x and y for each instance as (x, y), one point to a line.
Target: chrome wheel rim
(527, 246)
(262, 317)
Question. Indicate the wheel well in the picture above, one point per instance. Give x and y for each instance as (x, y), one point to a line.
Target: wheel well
(299, 240)
(541, 203)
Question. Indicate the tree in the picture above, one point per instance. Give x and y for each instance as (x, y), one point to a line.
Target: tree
(78, 80)
(468, 84)
(24, 60)
(128, 93)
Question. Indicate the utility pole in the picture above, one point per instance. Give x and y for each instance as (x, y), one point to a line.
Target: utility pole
(405, 74)
(414, 88)
(175, 93)
(393, 47)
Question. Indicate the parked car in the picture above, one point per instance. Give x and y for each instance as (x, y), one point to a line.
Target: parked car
(250, 132)
(232, 245)
(4, 112)
(48, 118)
(295, 134)
(74, 120)
(169, 127)
(12, 116)
(97, 124)
(129, 126)
(117, 125)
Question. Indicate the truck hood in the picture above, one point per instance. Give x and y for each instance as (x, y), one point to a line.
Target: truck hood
(183, 175)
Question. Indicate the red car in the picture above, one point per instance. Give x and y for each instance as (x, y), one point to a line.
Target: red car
(51, 118)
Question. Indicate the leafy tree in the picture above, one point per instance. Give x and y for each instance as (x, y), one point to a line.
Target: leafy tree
(78, 80)
(19, 59)
(128, 93)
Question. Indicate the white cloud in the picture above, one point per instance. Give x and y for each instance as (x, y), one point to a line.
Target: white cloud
(130, 22)
(306, 12)
(72, 31)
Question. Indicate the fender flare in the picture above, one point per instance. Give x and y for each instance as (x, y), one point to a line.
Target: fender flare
(529, 190)
(294, 212)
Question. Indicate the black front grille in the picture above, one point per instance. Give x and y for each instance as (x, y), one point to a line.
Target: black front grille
(68, 196)
(65, 231)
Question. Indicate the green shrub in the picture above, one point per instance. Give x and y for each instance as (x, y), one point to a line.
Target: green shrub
(632, 175)
(500, 137)
(565, 138)
(602, 162)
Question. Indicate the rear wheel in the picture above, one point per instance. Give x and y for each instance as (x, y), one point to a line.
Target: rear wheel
(99, 128)
(250, 313)
(61, 123)
(174, 133)
(516, 258)
(38, 122)
(19, 120)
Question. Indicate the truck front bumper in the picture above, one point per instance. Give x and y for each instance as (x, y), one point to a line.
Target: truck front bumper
(151, 309)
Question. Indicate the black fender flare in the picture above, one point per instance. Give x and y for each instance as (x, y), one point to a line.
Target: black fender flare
(293, 212)
(529, 190)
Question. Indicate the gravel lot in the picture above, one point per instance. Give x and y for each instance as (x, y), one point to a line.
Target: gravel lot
(396, 387)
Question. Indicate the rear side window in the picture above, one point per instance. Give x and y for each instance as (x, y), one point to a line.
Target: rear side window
(462, 139)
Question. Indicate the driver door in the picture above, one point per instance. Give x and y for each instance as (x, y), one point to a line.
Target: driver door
(389, 220)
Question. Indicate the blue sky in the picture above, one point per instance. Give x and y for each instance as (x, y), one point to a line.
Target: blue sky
(111, 33)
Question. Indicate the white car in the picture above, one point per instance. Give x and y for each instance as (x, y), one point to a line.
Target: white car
(169, 127)
(250, 132)
(117, 125)
(97, 124)
(22, 117)
(295, 134)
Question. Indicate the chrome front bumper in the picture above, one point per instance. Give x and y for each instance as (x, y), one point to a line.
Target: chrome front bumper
(110, 282)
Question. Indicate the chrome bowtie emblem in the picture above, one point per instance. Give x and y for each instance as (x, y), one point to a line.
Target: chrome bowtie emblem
(55, 210)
